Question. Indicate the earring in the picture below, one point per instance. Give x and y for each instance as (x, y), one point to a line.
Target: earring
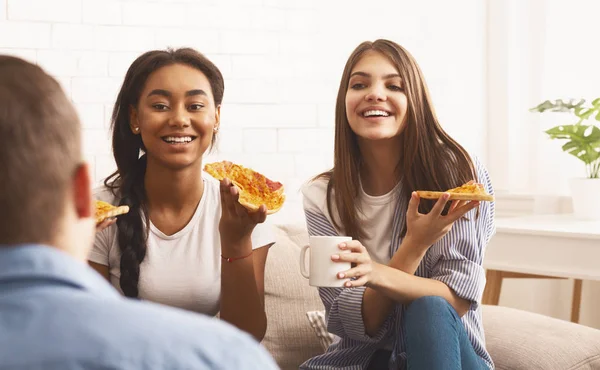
(215, 130)
(136, 129)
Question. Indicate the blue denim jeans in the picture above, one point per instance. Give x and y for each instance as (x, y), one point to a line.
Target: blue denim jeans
(435, 338)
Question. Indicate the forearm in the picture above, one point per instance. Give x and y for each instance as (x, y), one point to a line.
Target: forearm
(405, 288)
(376, 305)
(241, 303)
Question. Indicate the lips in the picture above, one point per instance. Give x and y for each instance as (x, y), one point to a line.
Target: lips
(178, 139)
(375, 112)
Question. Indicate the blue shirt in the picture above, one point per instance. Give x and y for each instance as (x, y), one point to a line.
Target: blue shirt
(58, 313)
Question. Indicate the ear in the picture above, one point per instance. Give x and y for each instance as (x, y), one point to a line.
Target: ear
(134, 124)
(83, 192)
(217, 117)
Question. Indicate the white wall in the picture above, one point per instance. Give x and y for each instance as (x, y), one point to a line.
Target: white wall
(538, 50)
(282, 61)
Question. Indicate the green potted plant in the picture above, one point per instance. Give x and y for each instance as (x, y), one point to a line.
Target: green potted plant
(582, 140)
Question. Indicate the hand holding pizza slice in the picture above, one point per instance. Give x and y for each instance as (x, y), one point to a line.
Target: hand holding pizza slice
(468, 191)
(254, 188)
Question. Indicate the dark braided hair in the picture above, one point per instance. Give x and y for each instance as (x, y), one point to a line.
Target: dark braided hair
(127, 182)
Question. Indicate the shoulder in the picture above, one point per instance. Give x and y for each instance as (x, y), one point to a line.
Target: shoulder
(211, 186)
(190, 339)
(105, 240)
(104, 194)
(318, 218)
(483, 176)
(314, 194)
(149, 333)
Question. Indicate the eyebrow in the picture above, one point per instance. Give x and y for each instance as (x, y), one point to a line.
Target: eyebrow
(168, 94)
(388, 76)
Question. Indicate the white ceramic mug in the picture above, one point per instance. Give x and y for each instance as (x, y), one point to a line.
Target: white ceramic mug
(322, 271)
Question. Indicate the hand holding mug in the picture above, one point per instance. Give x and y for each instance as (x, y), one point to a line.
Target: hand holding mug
(323, 270)
(363, 269)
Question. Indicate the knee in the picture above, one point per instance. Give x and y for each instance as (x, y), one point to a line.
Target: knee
(429, 306)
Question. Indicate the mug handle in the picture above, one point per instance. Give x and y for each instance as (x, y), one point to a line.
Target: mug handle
(303, 261)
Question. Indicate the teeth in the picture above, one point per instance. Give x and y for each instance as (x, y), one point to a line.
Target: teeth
(172, 139)
(370, 113)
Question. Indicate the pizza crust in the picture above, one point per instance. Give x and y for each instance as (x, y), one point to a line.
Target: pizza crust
(455, 196)
(108, 211)
(253, 207)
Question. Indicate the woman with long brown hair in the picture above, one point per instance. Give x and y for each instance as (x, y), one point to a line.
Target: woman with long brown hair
(186, 241)
(413, 298)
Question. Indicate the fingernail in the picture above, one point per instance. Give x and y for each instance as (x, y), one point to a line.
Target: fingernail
(446, 196)
(341, 275)
(348, 284)
(342, 245)
(335, 257)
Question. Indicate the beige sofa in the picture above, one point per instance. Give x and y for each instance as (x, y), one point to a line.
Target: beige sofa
(515, 339)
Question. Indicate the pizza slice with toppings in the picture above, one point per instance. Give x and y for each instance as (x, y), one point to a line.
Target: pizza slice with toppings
(255, 188)
(106, 210)
(468, 191)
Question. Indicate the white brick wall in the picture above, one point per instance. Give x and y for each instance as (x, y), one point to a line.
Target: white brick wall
(68, 11)
(282, 60)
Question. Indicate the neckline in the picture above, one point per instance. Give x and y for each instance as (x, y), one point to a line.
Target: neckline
(379, 199)
(188, 227)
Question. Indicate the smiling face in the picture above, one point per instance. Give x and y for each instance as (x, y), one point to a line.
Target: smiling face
(176, 116)
(376, 104)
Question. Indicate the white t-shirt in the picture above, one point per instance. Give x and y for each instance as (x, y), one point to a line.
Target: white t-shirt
(181, 270)
(376, 214)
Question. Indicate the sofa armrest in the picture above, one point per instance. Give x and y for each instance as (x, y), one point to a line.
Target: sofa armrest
(519, 339)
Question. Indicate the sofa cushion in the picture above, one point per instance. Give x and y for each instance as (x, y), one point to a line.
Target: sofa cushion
(518, 340)
(290, 337)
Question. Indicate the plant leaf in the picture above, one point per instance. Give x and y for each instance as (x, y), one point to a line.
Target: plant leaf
(583, 141)
(558, 105)
(586, 113)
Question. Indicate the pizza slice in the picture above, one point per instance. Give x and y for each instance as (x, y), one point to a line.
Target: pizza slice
(255, 188)
(468, 191)
(106, 210)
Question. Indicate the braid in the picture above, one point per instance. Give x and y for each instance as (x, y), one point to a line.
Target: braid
(131, 231)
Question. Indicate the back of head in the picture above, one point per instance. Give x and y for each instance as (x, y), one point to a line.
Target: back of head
(40, 149)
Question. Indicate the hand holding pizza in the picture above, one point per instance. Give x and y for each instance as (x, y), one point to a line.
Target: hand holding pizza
(237, 222)
(104, 224)
(426, 229)
(247, 197)
(106, 214)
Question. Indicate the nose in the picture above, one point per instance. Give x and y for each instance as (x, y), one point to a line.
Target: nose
(180, 118)
(376, 93)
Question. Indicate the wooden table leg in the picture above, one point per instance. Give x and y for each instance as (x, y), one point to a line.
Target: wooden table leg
(576, 301)
(493, 285)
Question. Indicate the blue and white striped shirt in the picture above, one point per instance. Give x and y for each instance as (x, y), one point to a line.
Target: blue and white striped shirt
(454, 260)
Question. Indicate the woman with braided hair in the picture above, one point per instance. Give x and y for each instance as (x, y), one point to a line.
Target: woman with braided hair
(186, 241)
